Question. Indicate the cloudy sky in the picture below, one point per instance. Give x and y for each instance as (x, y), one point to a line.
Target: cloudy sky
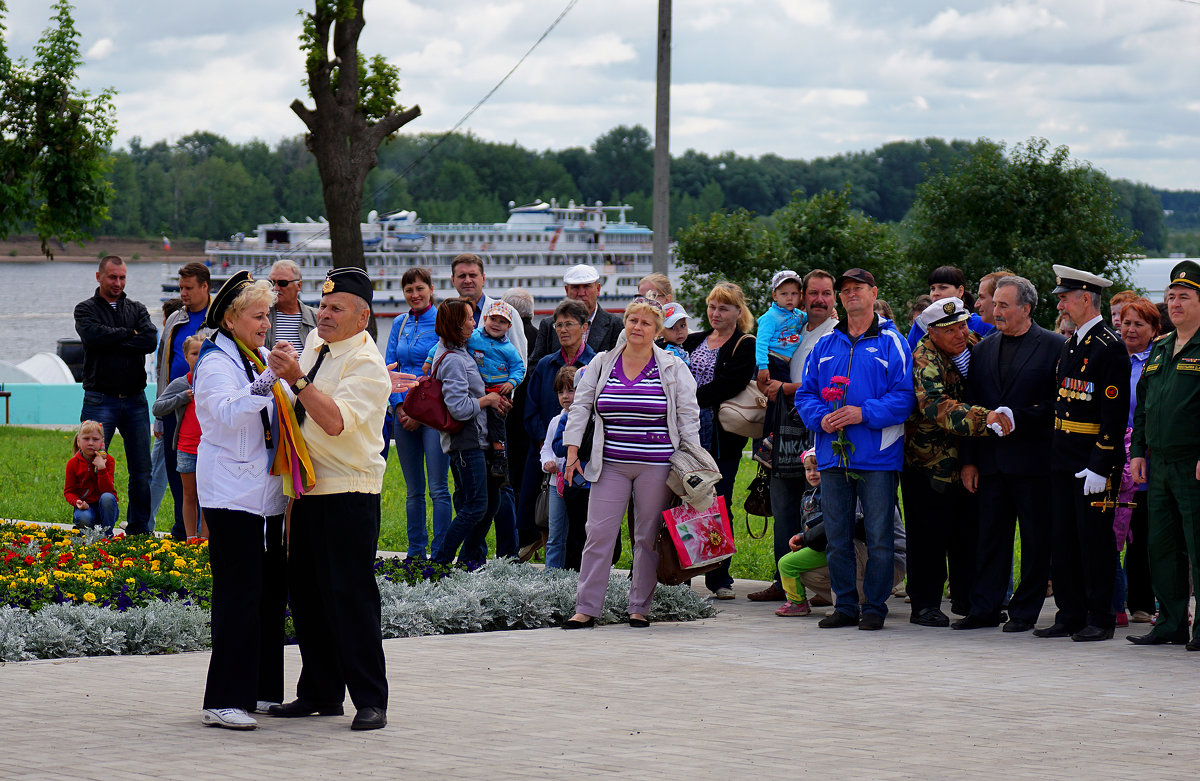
(1115, 80)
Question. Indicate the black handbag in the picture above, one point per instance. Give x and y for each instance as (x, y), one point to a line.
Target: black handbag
(541, 508)
(758, 501)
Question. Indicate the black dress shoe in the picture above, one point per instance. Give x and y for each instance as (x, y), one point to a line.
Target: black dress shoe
(930, 616)
(1017, 625)
(870, 622)
(1151, 638)
(1193, 644)
(973, 621)
(1091, 634)
(571, 623)
(302, 707)
(369, 718)
(1055, 630)
(837, 620)
(640, 623)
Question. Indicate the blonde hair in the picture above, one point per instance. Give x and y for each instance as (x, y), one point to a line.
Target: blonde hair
(661, 283)
(85, 426)
(257, 292)
(647, 305)
(193, 339)
(731, 295)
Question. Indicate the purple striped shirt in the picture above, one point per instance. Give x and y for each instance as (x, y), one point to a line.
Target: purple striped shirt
(635, 417)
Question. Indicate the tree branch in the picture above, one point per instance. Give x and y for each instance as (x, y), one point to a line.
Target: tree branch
(390, 124)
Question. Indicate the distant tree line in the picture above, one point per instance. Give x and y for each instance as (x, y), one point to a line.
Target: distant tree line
(205, 187)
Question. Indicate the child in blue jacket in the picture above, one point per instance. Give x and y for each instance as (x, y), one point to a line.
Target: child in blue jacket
(780, 330)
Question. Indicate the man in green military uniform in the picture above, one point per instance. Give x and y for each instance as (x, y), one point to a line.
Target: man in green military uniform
(941, 518)
(1166, 426)
(1090, 416)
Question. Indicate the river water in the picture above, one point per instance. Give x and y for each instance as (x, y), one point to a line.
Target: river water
(40, 298)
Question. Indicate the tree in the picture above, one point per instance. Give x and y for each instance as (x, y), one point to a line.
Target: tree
(1024, 212)
(356, 111)
(54, 140)
(727, 247)
(824, 232)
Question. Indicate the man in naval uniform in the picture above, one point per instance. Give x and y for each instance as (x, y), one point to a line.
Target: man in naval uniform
(1087, 456)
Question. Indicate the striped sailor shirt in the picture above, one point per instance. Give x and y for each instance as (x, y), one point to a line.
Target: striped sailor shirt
(635, 417)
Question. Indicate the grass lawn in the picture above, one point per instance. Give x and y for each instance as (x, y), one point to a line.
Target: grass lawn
(32, 462)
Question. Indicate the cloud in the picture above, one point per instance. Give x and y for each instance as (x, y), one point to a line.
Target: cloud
(100, 49)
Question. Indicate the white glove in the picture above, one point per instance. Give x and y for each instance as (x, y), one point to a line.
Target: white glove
(1012, 423)
(1092, 482)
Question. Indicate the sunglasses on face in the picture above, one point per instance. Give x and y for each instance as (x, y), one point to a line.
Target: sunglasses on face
(283, 282)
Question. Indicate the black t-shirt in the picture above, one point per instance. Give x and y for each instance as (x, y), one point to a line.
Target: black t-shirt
(1008, 350)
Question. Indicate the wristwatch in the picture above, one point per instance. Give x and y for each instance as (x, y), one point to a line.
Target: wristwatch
(299, 385)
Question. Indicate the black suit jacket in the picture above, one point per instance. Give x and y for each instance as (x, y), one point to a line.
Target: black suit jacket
(1029, 391)
(602, 335)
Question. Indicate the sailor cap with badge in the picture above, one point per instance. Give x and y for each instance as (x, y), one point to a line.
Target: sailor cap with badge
(1068, 279)
(943, 312)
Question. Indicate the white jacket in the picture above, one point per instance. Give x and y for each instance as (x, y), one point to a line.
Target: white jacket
(233, 465)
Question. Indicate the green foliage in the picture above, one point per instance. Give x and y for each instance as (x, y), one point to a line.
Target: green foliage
(1023, 212)
(54, 139)
(825, 232)
(727, 247)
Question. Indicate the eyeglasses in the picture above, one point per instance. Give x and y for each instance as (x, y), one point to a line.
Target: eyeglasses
(283, 282)
(566, 325)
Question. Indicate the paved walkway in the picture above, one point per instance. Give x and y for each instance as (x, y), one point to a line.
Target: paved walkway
(740, 695)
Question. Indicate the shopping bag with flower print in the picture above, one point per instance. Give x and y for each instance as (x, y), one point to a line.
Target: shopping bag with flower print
(701, 537)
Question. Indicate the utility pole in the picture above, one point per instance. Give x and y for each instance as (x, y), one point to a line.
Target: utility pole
(662, 141)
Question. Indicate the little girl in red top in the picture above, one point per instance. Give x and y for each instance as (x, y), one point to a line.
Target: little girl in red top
(89, 482)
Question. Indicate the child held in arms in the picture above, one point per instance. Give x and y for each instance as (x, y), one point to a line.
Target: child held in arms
(780, 330)
(89, 480)
(502, 370)
(178, 399)
(675, 330)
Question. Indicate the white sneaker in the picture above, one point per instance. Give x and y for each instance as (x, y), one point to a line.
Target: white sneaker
(262, 706)
(724, 593)
(230, 718)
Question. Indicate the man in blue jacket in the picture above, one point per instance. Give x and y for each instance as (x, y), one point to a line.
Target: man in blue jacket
(857, 393)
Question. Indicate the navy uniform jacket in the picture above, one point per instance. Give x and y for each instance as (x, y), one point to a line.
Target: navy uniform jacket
(1030, 391)
(1092, 407)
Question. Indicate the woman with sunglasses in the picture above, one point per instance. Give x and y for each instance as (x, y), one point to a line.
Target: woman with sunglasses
(291, 319)
(643, 401)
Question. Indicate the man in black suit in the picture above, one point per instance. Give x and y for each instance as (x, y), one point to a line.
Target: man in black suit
(582, 283)
(1014, 367)
(1088, 448)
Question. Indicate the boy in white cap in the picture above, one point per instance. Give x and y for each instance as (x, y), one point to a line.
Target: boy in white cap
(780, 330)
(675, 330)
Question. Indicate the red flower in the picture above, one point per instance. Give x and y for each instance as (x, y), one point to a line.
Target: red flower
(839, 380)
(28, 561)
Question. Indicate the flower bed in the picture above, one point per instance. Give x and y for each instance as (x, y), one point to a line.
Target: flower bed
(67, 593)
(45, 565)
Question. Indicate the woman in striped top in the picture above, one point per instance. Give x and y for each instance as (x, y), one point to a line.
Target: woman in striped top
(643, 402)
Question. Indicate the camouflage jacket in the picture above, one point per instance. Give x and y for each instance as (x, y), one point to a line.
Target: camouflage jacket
(941, 416)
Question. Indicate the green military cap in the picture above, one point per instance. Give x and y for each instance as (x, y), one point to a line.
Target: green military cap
(1186, 273)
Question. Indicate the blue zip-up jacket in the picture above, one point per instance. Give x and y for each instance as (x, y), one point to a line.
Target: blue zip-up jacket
(498, 360)
(410, 340)
(974, 323)
(779, 333)
(541, 402)
(879, 366)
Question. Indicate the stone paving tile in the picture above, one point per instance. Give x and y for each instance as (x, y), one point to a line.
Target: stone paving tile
(743, 694)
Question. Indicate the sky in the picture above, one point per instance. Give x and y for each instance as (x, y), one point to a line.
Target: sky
(1113, 80)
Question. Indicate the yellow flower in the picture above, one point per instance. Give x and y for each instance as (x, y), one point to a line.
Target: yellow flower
(130, 581)
(176, 573)
(180, 564)
(154, 566)
(89, 597)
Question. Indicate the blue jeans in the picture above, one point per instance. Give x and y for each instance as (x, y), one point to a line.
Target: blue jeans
(876, 491)
(106, 509)
(556, 541)
(131, 416)
(174, 481)
(158, 475)
(475, 502)
(419, 451)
